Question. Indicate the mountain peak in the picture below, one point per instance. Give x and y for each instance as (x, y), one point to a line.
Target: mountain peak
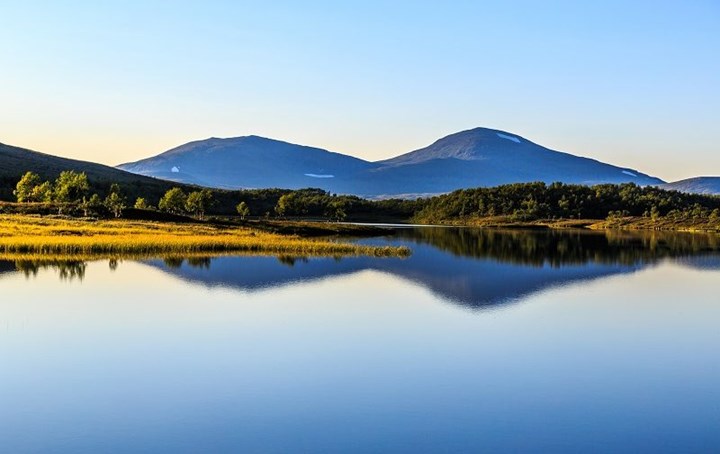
(470, 158)
(472, 144)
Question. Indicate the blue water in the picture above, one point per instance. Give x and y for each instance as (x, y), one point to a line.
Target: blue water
(510, 342)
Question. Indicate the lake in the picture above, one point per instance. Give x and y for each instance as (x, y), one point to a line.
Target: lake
(481, 341)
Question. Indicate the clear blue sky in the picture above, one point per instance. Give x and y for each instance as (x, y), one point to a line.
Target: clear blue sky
(633, 83)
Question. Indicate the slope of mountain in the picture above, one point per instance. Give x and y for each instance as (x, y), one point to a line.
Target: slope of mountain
(253, 162)
(15, 161)
(487, 157)
(478, 157)
(698, 185)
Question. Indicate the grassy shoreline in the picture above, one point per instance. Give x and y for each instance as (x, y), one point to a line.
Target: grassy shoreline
(35, 236)
(22, 235)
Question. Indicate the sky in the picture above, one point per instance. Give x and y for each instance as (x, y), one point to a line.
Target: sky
(636, 84)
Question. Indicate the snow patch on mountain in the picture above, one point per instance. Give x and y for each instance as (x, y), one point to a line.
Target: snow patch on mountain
(507, 137)
(627, 172)
(315, 175)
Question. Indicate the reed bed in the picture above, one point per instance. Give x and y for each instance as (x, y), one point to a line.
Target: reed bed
(29, 235)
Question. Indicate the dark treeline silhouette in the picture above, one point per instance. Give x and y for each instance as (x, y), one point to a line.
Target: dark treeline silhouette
(533, 201)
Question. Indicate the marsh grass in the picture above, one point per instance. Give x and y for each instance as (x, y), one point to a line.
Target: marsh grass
(33, 236)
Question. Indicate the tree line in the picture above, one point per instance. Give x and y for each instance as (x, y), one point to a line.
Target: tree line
(71, 190)
(535, 201)
(521, 201)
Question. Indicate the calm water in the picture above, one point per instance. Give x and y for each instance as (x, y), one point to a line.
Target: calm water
(481, 341)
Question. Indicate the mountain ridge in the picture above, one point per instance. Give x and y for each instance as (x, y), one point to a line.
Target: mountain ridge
(470, 158)
(696, 185)
(15, 161)
(295, 165)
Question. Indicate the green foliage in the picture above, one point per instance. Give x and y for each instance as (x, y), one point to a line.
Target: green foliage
(85, 206)
(311, 202)
(71, 187)
(198, 202)
(95, 201)
(533, 201)
(43, 192)
(25, 187)
(654, 213)
(520, 202)
(173, 201)
(115, 202)
(336, 210)
(243, 210)
(142, 204)
(285, 205)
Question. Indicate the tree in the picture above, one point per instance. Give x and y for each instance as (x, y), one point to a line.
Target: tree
(715, 215)
(336, 210)
(115, 188)
(71, 186)
(243, 210)
(284, 205)
(115, 203)
(91, 205)
(198, 202)
(25, 187)
(85, 206)
(43, 192)
(654, 213)
(95, 201)
(141, 204)
(173, 201)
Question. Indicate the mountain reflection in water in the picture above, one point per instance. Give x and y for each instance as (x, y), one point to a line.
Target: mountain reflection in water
(471, 267)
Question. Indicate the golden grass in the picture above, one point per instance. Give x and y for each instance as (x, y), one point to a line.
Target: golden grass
(22, 235)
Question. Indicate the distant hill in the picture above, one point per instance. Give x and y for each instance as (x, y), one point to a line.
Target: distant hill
(14, 162)
(698, 185)
(478, 157)
(253, 162)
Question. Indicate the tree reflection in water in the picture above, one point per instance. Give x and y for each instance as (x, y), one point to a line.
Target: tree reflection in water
(472, 267)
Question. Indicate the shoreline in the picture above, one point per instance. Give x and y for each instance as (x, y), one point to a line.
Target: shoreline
(52, 236)
(626, 224)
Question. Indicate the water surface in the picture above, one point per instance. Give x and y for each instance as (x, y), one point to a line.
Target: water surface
(480, 341)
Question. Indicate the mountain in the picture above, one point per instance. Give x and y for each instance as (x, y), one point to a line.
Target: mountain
(477, 157)
(488, 157)
(253, 162)
(15, 161)
(698, 185)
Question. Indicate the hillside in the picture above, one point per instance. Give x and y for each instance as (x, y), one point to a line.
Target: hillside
(253, 162)
(15, 161)
(699, 185)
(488, 157)
(479, 157)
